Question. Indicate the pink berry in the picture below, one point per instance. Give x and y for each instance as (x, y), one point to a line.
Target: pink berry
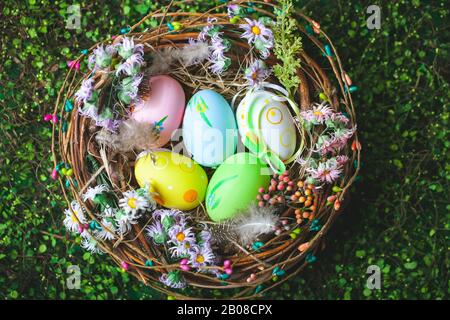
(261, 204)
(261, 190)
(266, 196)
(54, 174)
(280, 187)
(290, 183)
(184, 261)
(289, 188)
(48, 117)
(124, 265)
(228, 271)
(286, 179)
(280, 199)
(272, 188)
(54, 118)
(184, 267)
(227, 263)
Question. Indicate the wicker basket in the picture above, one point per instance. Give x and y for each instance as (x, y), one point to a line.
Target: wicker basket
(72, 143)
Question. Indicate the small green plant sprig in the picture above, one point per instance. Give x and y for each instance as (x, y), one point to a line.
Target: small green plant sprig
(286, 47)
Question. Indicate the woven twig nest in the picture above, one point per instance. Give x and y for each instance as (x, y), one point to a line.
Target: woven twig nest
(94, 161)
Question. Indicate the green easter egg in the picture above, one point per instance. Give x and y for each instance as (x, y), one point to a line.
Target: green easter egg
(234, 185)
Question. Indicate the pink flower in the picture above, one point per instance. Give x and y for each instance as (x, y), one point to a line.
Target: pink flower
(339, 117)
(328, 171)
(319, 114)
(341, 160)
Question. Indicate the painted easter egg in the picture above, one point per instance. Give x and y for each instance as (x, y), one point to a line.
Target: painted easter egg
(262, 116)
(234, 185)
(162, 107)
(209, 128)
(179, 182)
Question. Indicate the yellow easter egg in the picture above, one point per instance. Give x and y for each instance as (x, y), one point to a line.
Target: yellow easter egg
(179, 182)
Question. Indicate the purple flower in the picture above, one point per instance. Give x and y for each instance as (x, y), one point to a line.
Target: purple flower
(169, 217)
(85, 93)
(233, 10)
(101, 57)
(207, 30)
(173, 279)
(109, 124)
(126, 48)
(201, 256)
(257, 72)
(181, 250)
(156, 232)
(89, 110)
(259, 35)
(129, 87)
(180, 234)
(132, 66)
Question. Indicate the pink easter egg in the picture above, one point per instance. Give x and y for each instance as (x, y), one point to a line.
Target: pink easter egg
(163, 107)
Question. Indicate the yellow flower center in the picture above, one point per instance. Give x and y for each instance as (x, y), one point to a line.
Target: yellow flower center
(74, 216)
(254, 76)
(317, 113)
(200, 258)
(132, 203)
(187, 245)
(256, 30)
(180, 236)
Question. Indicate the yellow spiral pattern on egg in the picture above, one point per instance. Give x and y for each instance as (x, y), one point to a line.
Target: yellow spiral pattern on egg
(274, 116)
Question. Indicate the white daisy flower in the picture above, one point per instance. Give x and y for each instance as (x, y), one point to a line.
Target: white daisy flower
(133, 201)
(74, 216)
(92, 192)
(126, 220)
(90, 244)
(109, 212)
(108, 232)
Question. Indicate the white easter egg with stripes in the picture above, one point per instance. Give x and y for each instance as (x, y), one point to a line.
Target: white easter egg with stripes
(273, 120)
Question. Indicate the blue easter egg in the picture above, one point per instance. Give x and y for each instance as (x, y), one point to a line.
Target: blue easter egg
(209, 128)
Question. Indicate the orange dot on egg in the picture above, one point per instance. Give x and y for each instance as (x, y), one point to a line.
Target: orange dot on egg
(190, 195)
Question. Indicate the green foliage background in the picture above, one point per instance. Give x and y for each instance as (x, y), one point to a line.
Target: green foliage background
(399, 215)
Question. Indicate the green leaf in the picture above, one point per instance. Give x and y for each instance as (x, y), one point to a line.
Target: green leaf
(410, 265)
(42, 248)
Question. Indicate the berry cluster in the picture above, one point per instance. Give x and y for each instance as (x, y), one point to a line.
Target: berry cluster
(285, 191)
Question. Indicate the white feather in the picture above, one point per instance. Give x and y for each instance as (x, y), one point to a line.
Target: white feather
(256, 221)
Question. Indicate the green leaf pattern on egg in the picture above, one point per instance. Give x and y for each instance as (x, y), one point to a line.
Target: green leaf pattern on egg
(200, 107)
(212, 201)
